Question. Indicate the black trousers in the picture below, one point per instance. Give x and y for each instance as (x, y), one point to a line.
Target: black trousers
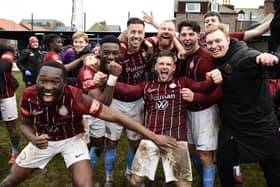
(228, 156)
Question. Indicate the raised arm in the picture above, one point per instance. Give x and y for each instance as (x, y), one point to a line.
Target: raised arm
(181, 50)
(72, 65)
(106, 113)
(106, 95)
(136, 90)
(207, 98)
(205, 86)
(149, 19)
(164, 142)
(259, 30)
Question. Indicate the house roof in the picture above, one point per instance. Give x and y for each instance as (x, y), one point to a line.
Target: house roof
(6, 24)
(114, 28)
(225, 10)
(63, 28)
(101, 26)
(35, 28)
(39, 21)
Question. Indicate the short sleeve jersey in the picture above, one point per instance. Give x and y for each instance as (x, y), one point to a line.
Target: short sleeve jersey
(133, 65)
(166, 110)
(63, 119)
(134, 69)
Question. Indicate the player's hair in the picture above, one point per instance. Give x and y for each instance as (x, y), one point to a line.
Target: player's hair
(192, 24)
(6, 48)
(211, 14)
(135, 20)
(57, 65)
(214, 28)
(167, 53)
(80, 34)
(109, 39)
(50, 38)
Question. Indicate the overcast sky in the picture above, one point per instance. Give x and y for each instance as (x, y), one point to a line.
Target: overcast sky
(114, 12)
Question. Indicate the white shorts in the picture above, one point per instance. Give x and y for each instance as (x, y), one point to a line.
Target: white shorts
(72, 149)
(134, 109)
(176, 163)
(203, 127)
(8, 107)
(96, 126)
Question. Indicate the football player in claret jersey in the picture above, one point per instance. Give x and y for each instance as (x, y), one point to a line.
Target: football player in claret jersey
(165, 114)
(108, 60)
(8, 105)
(51, 120)
(134, 66)
(202, 118)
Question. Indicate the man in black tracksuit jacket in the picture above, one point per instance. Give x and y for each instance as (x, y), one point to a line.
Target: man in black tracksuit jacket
(249, 130)
(29, 61)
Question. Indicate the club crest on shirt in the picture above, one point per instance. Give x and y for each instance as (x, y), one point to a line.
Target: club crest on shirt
(228, 68)
(172, 85)
(144, 54)
(63, 110)
(191, 65)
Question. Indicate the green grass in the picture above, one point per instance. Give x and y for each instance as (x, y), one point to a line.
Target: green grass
(56, 175)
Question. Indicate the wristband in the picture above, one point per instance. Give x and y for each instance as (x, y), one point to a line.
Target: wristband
(112, 80)
(148, 44)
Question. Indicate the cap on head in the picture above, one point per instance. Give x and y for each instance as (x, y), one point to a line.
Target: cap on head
(32, 39)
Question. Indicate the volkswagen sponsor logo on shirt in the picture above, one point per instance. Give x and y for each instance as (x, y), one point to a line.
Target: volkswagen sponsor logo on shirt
(161, 105)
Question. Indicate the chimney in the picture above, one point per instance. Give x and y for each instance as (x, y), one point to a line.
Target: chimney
(226, 3)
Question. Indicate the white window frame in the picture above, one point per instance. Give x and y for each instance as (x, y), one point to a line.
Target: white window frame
(193, 7)
(227, 26)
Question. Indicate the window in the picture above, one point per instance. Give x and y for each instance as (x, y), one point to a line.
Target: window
(227, 26)
(241, 17)
(192, 7)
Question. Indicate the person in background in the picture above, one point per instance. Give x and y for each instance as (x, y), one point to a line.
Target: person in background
(29, 61)
(80, 49)
(8, 105)
(214, 18)
(202, 117)
(52, 44)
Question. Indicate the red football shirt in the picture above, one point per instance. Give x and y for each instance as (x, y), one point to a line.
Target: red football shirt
(62, 120)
